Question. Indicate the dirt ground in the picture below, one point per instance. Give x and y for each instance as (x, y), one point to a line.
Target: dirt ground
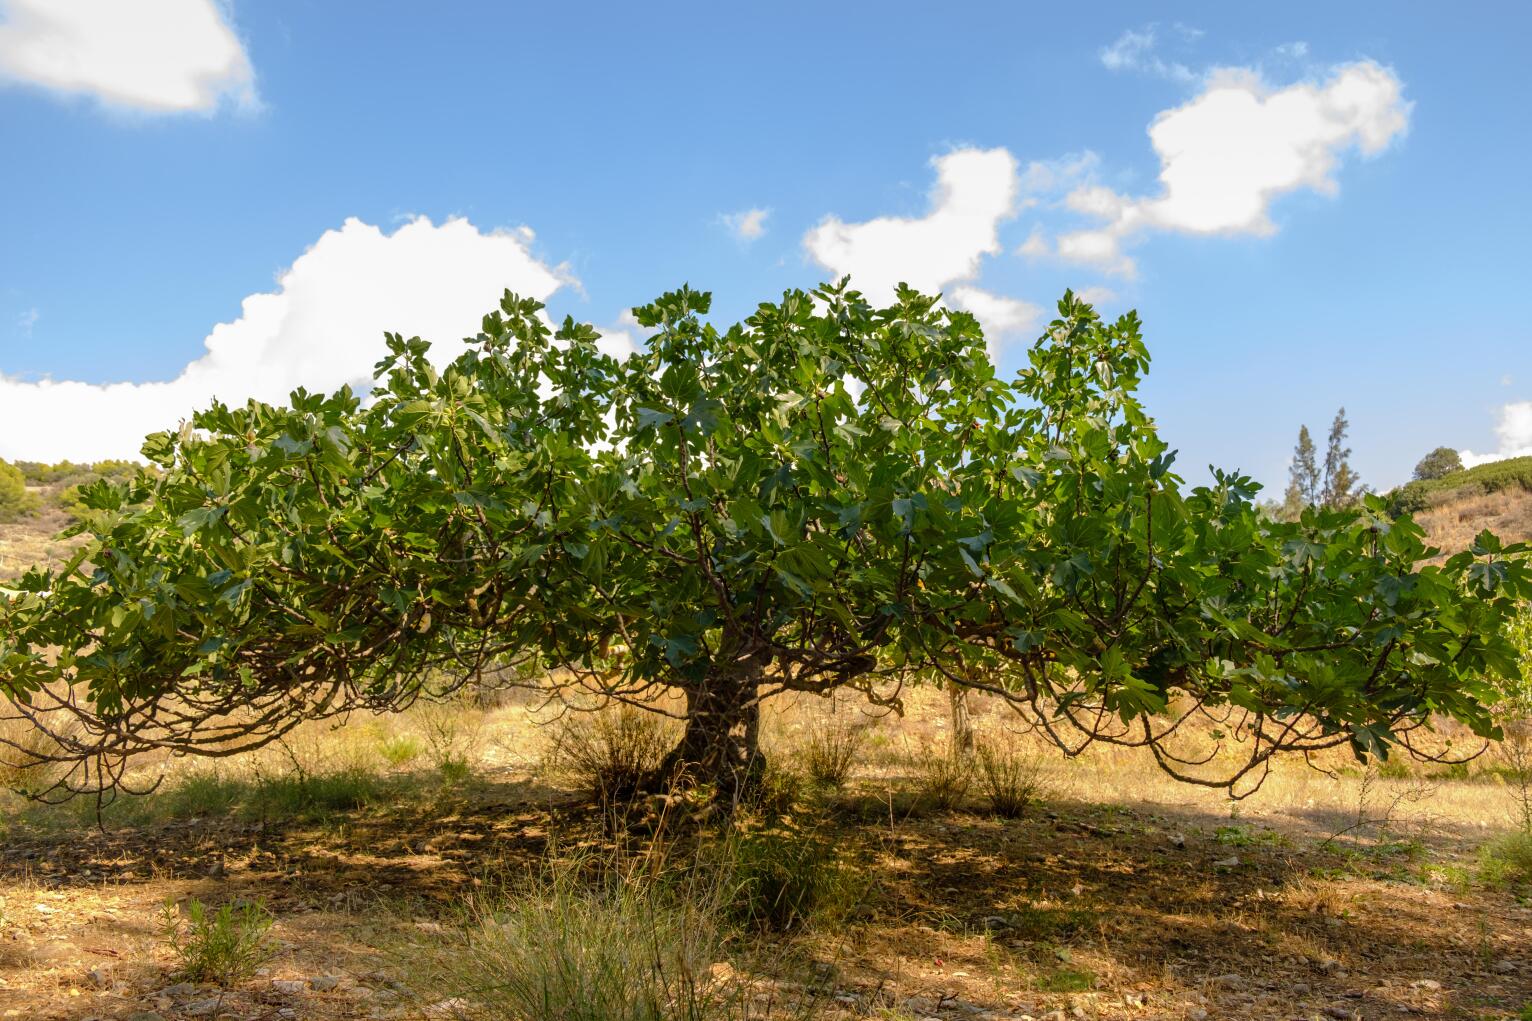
(1128, 901)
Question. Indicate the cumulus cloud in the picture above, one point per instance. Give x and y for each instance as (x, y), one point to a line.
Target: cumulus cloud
(1227, 154)
(747, 225)
(1514, 432)
(164, 56)
(321, 328)
(976, 190)
(1002, 317)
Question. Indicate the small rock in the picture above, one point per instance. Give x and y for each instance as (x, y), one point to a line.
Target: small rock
(1177, 840)
(203, 1008)
(1505, 967)
(1300, 989)
(1133, 999)
(146, 1015)
(179, 991)
(1425, 983)
(1231, 862)
(1327, 964)
(1340, 1012)
(1196, 1014)
(324, 983)
(997, 923)
(1229, 981)
(446, 1008)
(289, 986)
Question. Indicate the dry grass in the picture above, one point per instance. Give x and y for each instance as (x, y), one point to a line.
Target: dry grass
(34, 541)
(1453, 524)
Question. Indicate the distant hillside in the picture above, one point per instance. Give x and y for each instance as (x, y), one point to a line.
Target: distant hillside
(1455, 508)
(32, 540)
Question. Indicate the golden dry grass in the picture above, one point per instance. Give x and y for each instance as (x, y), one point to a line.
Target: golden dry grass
(1453, 524)
(34, 541)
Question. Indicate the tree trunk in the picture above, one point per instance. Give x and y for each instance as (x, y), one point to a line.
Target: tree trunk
(962, 721)
(721, 744)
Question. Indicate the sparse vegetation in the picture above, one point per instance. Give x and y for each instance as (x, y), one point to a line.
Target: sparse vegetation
(944, 776)
(610, 754)
(1009, 777)
(225, 945)
(1496, 476)
(619, 947)
(829, 753)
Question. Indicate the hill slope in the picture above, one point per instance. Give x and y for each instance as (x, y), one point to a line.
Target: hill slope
(1455, 508)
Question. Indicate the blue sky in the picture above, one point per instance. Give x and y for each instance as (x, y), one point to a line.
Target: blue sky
(1333, 209)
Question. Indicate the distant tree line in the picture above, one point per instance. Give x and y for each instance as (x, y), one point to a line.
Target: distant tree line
(27, 487)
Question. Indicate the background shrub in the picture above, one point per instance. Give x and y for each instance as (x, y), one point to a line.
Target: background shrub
(15, 500)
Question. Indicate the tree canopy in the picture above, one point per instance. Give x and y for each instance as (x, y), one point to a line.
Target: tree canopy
(1439, 463)
(827, 495)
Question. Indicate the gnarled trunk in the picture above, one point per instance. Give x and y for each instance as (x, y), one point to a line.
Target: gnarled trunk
(721, 744)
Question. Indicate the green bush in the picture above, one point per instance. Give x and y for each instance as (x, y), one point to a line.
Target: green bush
(783, 878)
(223, 946)
(1412, 497)
(1439, 463)
(15, 500)
(399, 749)
(1508, 860)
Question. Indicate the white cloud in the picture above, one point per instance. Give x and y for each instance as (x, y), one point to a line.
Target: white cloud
(164, 56)
(1097, 295)
(27, 320)
(1043, 177)
(321, 328)
(1002, 317)
(1514, 432)
(1233, 149)
(975, 192)
(747, 225)
(1134, 51)
(1036, 246)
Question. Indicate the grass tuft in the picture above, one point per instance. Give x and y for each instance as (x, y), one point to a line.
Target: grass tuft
(829, 755)
(223, 946)
(1009, 777)
(613, 753)
(621, 947)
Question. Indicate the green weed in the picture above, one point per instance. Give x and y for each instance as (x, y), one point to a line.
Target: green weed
(223, 946)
